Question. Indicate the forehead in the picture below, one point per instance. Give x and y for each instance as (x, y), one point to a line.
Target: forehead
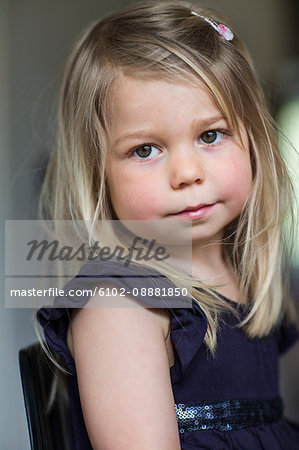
(157, 104)
(146, 99)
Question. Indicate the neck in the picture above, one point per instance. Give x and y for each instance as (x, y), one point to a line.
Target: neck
(209, 267)
(207, 258)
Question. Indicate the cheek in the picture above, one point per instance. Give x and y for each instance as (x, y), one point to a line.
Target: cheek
(238, 181)
(134, 197)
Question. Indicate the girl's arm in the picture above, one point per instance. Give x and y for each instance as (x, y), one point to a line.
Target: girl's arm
(123, 377)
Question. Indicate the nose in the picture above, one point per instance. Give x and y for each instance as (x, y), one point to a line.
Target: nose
(186, 168)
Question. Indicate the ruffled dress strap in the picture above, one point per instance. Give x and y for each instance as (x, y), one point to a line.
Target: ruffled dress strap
(187, 334)
(55, 322)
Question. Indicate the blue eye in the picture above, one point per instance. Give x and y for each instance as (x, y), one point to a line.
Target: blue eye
(143, 152)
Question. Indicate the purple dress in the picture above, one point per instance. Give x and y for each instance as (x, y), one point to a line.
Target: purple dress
(230, 401)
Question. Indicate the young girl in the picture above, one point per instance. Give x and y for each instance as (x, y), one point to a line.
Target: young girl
(161, 118)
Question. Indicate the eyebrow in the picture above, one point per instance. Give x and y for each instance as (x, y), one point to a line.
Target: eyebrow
(197, 123)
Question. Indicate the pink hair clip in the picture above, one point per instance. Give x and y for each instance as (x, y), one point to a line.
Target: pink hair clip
(221, 29)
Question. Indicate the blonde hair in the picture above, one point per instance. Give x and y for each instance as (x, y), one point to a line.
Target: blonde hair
(163, 40)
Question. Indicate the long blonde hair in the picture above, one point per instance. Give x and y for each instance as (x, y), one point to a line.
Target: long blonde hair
(163, 40)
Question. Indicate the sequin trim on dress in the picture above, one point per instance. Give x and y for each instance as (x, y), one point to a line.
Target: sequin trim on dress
(227, 415)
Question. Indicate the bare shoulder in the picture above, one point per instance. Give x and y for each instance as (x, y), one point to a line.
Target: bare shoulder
(158, 316)
(123, 376)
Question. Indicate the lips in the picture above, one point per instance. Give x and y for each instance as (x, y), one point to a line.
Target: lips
(195, 212)
(194, 208)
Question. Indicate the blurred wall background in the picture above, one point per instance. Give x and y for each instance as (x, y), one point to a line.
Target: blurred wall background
(35, 37)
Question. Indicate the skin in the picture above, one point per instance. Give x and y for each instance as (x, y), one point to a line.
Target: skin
(179, 167)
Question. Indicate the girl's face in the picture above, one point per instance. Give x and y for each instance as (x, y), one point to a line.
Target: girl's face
(171, 149)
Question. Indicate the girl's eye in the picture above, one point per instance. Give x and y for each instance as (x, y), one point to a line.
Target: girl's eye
(146, 152)
(143, 152)
(211, 136)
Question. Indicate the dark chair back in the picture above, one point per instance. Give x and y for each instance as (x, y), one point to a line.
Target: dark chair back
(46, 400)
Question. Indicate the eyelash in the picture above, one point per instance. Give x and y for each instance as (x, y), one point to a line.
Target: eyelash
(224, 132)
